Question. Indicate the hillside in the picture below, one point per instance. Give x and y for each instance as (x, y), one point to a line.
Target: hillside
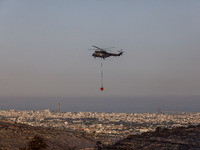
(181, 138)
(18, 136)
(14, 136)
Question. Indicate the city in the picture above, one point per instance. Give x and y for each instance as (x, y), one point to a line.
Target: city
(102, 123)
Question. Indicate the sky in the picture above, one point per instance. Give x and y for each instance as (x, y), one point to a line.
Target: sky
(44, 48)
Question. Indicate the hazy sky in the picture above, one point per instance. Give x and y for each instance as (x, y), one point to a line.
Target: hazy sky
(44, 48)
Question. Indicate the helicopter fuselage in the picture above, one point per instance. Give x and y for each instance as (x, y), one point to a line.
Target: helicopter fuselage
(104, 54)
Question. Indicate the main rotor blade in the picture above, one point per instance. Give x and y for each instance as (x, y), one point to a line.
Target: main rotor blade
(93, 49)
(96, 47)
(109, 48)
(103, 49)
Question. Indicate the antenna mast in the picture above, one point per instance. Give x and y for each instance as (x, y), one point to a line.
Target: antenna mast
(58, 108)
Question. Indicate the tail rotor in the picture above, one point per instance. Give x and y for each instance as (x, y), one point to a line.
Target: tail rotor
(121, 52)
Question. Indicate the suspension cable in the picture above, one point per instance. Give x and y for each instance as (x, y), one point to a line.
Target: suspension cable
(102, 88)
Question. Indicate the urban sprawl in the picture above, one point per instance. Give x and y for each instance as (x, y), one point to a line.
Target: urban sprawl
(102, 123)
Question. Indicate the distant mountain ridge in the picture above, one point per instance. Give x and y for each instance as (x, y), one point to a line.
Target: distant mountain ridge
(181, 138)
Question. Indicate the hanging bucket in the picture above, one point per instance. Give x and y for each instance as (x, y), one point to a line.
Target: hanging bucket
(101, 88)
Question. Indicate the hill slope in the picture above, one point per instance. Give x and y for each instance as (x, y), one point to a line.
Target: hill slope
(18, 136)
(15, 136)
(181, 138)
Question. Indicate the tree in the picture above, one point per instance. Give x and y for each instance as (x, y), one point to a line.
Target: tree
(37, 143)
(98, 145)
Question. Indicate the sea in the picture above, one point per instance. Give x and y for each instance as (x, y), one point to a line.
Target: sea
(104, 104)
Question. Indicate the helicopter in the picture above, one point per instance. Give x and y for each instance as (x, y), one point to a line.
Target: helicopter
(102, 53)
